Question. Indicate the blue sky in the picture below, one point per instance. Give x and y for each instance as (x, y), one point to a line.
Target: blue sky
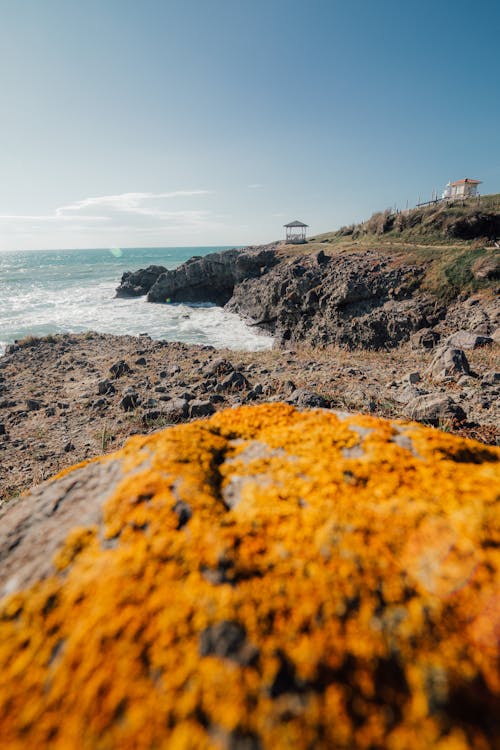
(203, 122)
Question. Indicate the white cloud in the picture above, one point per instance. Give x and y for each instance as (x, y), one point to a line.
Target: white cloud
(254, 186)
(144, 213)
(132, 203)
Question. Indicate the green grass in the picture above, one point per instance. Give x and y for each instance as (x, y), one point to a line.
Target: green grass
(423, 236)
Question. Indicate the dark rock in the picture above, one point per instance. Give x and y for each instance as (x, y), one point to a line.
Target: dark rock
(151, 416)
(426, 338)
(137, 283)
(360, 300)
(219, 367)
(141, 361)
(104, 387)
(303, 397)
(99, 403)
(50, 411)
(199, 408)
(130, 400)
(33, 404)
(211, 278)
(119, 368)
(236, 381)
(2, 429)
(70, 446)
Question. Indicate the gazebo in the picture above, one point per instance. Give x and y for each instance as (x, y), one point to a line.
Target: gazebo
(295, 232)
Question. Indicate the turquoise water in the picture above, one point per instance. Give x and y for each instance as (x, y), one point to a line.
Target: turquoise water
(70, 291)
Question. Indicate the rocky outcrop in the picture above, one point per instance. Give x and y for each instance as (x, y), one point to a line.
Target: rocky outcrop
(477, 314)
(356, 300)
(211, 278)
(137, 283)
(448, 362)
(263, 579)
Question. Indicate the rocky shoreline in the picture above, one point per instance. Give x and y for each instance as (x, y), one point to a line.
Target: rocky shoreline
(368, 299)
(68, 398)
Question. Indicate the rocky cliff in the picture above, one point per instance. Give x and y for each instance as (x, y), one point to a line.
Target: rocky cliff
(358, 287)
(210, 278)
(264, 579)
(358, 300)
(370, 299)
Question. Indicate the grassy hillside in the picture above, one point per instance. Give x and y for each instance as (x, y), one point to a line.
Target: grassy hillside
(450, 239)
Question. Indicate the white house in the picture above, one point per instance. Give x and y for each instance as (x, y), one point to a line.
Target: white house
(466, 188)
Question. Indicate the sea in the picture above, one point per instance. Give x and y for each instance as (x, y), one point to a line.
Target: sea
(71, 291)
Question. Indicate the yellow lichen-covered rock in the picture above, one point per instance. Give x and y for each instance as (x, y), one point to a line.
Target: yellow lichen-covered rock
(262, 579)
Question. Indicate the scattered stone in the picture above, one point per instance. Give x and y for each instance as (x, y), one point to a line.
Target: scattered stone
(33, 404)
(412, 378)
(468, 340)
(219, 367)
(2, 429)
(141, 361)
(425, 338)
(130, 400)
(151, 416)
(199, 408)
(466, 381)
(175, 410)
(70, 446)
(448, 362)
(104, 387)
(236, 381)
(119, 368)
(435, 409)
(303, 397)
(492, 377)
(407, 393)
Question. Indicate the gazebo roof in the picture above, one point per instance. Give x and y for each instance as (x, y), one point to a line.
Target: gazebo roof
(466, 180)
(295, 224)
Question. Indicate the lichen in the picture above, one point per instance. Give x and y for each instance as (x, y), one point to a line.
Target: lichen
(345, 599)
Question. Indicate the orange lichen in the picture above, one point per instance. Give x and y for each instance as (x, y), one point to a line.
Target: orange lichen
(269, 579)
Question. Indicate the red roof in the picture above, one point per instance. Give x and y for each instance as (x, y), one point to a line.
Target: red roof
(466, 180)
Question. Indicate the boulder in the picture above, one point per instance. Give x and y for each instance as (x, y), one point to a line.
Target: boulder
(200, 408)
(137, 283)
(119, 368)
(434, 408)
(130, 399)
(426, 338)
(468, 340)
(448, 362)
(212, 277)
(263, 579)
(304, 397)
